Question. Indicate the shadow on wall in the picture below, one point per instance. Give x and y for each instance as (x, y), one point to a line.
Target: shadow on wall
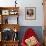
(37, 29)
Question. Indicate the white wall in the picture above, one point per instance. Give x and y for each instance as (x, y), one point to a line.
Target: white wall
(26, 3)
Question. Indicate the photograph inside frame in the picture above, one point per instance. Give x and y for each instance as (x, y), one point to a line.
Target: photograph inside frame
(30, 13)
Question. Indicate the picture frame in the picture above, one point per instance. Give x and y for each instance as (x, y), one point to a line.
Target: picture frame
(5, 12)
(13, 12)
(0, 36)
(0, 19)
(30, 13)
(5, 20)
(10, 20)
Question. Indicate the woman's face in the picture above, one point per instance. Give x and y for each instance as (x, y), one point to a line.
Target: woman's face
(30, 12)
(31, 41)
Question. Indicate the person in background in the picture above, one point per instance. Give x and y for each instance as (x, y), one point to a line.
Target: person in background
(30, 38)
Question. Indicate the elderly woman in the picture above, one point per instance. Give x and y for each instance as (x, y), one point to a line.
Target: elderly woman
(30, 38)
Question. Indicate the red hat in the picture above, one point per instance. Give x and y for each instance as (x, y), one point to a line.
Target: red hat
(29, 33)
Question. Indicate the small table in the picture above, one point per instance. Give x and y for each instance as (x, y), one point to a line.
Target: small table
(10, 43)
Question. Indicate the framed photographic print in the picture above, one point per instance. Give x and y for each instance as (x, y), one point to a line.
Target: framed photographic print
(30, 13)
(5, 12)
(12, 20)
(5, 20)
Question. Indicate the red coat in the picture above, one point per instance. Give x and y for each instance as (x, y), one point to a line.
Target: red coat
(29, 33)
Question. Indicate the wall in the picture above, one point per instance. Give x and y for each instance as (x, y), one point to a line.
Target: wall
(39, 13)
(26, 3)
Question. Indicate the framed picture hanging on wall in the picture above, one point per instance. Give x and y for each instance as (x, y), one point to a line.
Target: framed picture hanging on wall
(30, 13)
